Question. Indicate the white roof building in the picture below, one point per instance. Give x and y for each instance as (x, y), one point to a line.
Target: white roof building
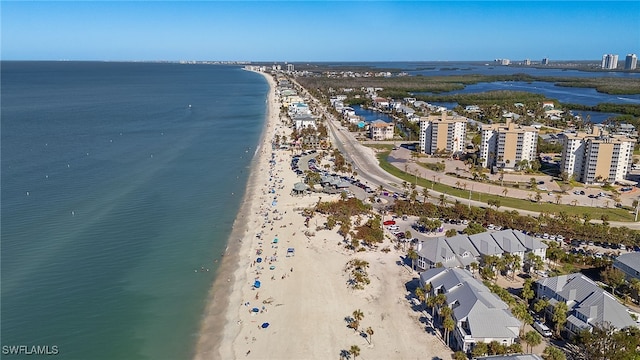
(480, 315)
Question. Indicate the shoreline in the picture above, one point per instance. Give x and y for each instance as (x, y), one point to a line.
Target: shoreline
(301, 314)
(216, 315)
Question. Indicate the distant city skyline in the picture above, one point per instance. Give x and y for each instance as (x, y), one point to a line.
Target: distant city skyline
(300, 31)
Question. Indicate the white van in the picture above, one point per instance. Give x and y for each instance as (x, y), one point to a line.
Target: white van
(542, 329)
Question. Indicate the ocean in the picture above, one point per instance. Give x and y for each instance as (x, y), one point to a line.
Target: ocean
(120, 184)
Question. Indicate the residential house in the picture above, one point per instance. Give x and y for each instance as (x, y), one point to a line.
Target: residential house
(462, 250)
(629, 264)
(436, 252)
(509, 243)
(533, 245)
(486, 244)
(479, 315)
(381, 103)
(303, 121)
(588, 304)
(380, 130)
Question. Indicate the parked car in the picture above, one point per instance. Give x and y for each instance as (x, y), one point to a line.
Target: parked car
(389, 222)
(542, 329)
(393, 227)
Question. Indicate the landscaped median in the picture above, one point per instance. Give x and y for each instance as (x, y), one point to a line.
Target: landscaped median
(613, 214)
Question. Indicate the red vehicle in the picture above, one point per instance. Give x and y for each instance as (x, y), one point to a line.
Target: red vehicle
(389, 222)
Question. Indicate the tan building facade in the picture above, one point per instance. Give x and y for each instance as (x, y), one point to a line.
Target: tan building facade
(596, 157)
(380, 130)
(442, 133)
(506, 145)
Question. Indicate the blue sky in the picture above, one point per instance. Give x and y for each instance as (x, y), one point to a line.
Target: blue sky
(318, 30)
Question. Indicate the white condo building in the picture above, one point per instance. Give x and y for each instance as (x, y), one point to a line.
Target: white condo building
(442, 132)
(505, 145)
(596, 157)
(630, 62)
(610, 61)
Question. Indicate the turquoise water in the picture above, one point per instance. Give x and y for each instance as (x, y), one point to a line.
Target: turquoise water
(115, 194)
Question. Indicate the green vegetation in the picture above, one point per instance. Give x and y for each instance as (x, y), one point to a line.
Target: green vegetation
(439, 167)
(627, 109)
(613, 214)
(402, 86)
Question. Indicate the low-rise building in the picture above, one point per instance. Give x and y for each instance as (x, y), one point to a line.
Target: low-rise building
(588, 304)
(479, 315)
(380, 130)
(462, 250)
(629, 264)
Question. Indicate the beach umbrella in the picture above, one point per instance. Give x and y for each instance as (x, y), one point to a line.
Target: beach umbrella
(265, 325)
(275, 241)
(256, 284)
(255, 310)
(259, 260)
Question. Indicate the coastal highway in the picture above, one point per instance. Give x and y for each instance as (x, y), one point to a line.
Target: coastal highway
(365, 163)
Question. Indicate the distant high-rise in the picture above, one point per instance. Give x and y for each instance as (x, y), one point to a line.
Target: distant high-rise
(610, 61)
(527, 62)
(290, 67)
(545, 61)
(630, 62)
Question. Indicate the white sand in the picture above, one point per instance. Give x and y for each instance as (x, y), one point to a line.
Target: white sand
(306, 307)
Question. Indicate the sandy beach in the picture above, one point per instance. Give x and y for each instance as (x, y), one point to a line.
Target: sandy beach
(270, 303)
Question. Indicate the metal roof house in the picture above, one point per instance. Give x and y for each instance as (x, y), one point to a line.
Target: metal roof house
(486, 244)
(465, 252)
(462, 250)
(436, 251)
(509, 243)
(629, 264)
(588, 304)
(480, 315)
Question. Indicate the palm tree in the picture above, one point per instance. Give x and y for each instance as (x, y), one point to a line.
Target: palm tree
(558, 198)
(354, 350)
(533, 339)
(519, 310)
(553, 353)
(413, 255)
(358, 315)
(425, 193)
(442, 199)
(369, 332)
(448, 325)
(560, 316)
(459, 355)
(505, 191)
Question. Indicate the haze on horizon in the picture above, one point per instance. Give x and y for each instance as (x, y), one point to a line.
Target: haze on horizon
(298, 31)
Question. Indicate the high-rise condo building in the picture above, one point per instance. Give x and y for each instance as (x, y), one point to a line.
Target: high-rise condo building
(596, 157)
(442, 133)
(545, 61)
(610, 61)
(506, 145)
(630, 62)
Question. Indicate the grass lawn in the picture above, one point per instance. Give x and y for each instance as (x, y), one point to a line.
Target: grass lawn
(595, 213)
